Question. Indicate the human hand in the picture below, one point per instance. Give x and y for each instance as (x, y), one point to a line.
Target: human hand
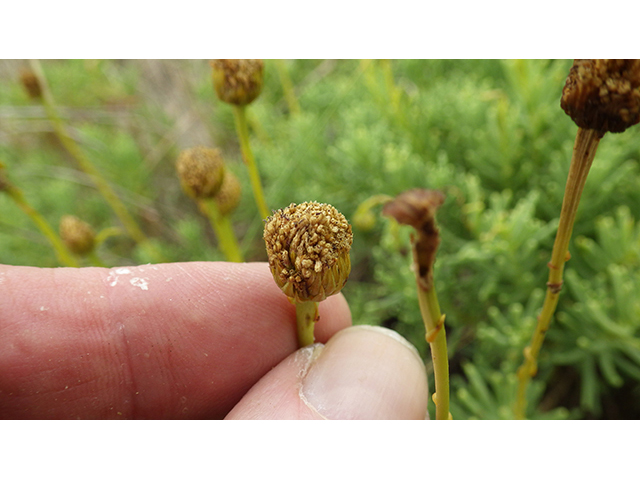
(186, 341)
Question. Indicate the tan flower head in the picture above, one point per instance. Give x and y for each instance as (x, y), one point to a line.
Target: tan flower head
(228, 198)
(31, 83)
(201, 171)
(77, 235)
(238, 82)
(603, 95)
(308, 247)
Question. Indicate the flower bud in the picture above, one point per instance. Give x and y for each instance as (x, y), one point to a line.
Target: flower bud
(228, 197)
(603, 95)
(308, 247)
(238, 82)
(31, 84)
(77, 235)
(201, 171)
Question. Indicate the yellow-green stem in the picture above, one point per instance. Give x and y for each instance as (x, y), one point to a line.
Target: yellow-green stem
(243, 135)
(62, 253)
(223, 229)
(85, 165)
(584, 151)
(287, 87)
(393, 92)
(94, 259)
(306, 317)
(437, 338)
(104, 234)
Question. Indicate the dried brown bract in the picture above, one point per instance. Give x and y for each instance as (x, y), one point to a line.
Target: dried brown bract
(77, 235)
(603, 95)
(417, 208)
(308, 247)
(31, 84)
(238, 82)
(201, 171)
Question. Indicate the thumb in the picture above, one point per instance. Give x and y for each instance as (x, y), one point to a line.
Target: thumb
(362, 372)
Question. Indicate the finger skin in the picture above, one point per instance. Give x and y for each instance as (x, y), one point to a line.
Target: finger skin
(155, 341)
(362, 373)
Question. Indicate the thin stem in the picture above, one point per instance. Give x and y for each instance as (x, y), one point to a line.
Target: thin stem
(62, 253)
(306, 317)
(243, 135)
(393, 92)
(287, 87)
(94, 259)
(85, 164)
(223, 229)
(584, 151)
(437, 338)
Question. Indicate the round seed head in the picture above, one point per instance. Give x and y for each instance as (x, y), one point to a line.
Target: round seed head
(238, 82)
(201, 171)
(77, 235)
(228, 198)
(31, 84)
(308, 247)
(603, 95)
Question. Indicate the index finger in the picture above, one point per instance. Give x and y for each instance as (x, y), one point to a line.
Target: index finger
(182, 340)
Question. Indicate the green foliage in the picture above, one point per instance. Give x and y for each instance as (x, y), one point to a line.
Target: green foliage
(490, 134)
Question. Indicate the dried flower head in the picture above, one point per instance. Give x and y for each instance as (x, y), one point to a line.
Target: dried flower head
(77, 235)
(308, 247)
(201, 171)
(31, 83)
(238, 82)
(228, 197)
(417, 208)
(603, 95)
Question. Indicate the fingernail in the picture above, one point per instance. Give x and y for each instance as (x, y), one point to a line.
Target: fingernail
(366, 372)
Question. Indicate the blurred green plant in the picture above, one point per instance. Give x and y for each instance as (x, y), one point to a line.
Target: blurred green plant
(490, 134)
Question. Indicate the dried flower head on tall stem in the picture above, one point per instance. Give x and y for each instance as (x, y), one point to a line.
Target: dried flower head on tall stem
(238, 83)
(202, 176)
(600, 96)
(417, 208)
(308, 248)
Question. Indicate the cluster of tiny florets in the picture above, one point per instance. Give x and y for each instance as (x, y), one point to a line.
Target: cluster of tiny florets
(308, 247)
(603, 95)
(201, 171)
(238, 82)
(77, 235)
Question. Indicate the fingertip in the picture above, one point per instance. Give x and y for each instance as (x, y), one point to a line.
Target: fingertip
(361, 373)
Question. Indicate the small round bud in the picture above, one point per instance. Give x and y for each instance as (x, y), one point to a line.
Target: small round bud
(603, 95)
(308, 247)
(238, 82)
(77, 235)
(228, 197)
(201, 171)
(31, 84)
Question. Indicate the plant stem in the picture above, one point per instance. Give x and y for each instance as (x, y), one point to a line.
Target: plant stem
(223, 229)
(584, 151)
(287, 87)
(306, 317)
(94, 259)
(243, 135)
(85, 165)
(62, 253)
(437, 338)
